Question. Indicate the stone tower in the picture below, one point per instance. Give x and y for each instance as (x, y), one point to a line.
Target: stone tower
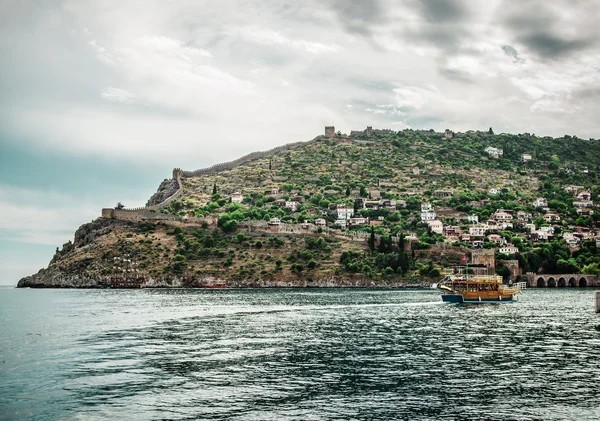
(369, 131)
(486, 257)
(329, 131)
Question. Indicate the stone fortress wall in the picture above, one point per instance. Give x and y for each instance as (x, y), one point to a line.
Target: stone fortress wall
(247, 158)
(149, 212)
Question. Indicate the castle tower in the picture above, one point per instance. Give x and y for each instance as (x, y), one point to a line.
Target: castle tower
(176, 172)
(369, 131)
(329, 131)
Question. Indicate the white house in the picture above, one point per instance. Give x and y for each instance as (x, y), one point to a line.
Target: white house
(292, 205)
(502, 216)
(473, 219)
(320, 222)
(358, 221)
(508, 249)
(540, 202)
(344, 212)
(427, 212)
(478, 231)
(494, 190)
(584, 195)
(494, 152)
(551, 217)
(237, 197)
(526, 157)
(436, 226)
(342, 223)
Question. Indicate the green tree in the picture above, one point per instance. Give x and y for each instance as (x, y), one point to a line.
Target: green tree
(214, 191)
(372, 240)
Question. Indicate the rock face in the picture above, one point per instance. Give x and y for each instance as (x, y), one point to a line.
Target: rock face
(166, 189)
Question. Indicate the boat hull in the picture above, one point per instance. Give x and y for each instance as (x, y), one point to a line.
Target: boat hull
(457, 298)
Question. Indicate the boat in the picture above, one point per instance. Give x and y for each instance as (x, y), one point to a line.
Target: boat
(465, 288)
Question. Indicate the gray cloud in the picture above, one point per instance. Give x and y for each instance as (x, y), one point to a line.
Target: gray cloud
(548, 33)
(360, 16)
(443, 10)
(511, 52)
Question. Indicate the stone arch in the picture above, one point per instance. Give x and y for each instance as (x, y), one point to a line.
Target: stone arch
(551, 282)
(582, 282)
(562, 282)
(572, 282)
(541, 282)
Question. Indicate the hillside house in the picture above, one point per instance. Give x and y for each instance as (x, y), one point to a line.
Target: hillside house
(320, 222)
(389, 204)
(274, 222)
(585, 211)
(495, 238)
(501, 216)
(442, 193)
(372, 204)
(583, 204)
(465, 237)
(477, 244)
(551, 217)
(376, 222)
(274, 191)
(344, 212)
(374, 194)
(573, 189)
(293, 205)
(494, 190)
(452, 230)
(509, 249)
(473, 219)
(494, 152)
(436, 226)
(584, 196)
(540, 202)
(523, 216)
(343, 223)
(280, 203)
(353, 222)
(427, 212)
(478, 231)
(237, 197)
(526, 157)
(416, 171)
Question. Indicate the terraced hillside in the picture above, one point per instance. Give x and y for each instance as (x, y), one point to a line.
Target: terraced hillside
(385, 209)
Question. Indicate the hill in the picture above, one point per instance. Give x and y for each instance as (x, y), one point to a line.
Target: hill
(374, 208)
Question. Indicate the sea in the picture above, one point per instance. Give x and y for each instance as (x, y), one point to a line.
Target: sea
(296, 354)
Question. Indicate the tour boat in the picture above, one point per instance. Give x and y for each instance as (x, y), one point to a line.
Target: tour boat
(464, 288)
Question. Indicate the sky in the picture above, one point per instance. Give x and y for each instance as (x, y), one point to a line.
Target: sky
(100, 100)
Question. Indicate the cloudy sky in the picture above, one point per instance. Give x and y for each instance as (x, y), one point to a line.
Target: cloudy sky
(101, 99)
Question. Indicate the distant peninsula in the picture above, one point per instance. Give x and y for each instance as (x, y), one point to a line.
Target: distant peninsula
(375, 208)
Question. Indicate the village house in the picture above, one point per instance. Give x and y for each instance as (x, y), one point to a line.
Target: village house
(530, 227)
(573, 188)
(358, 221)
(343, 223)
(274, 191)
(299, 198)
(389, 204)
(583, 204)
(344, 212)
(495, 238)
(280, 203)
(274, 222)
(427, 212)
(585, 211)
(523, 216)
(571, 239)
(477, 244)
(442, 193)
(501, 216)
(320, 222)
(473, 219)
(551, 217)
(374, 194)
(540, 202)
(540, 236)
(375, 222)
(478, 231)
(291, 205)
(372, 204)
(452, 230)
(237, 197)
(526, 157)
(494, 152)
(494, 190)
(509, 249)
(584, 195)
(436, 226)
(416, 171)
(465, 237)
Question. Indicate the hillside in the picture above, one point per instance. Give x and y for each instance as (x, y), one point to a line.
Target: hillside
(374, 208)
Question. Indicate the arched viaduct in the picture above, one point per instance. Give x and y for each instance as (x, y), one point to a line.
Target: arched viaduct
(574, 280)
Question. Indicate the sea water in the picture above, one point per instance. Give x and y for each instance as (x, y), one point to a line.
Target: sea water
(282, 354)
